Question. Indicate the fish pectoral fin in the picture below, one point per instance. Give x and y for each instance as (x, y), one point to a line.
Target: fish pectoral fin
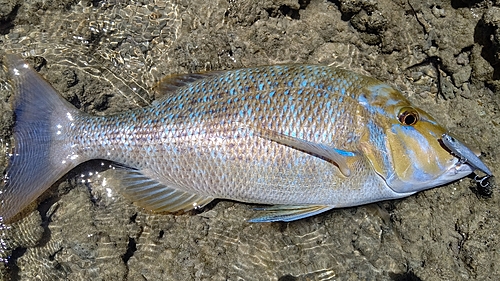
(152, 195)
(337, 156)
(288, 213)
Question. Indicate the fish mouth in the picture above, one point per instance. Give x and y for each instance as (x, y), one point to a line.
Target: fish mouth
(456, 171)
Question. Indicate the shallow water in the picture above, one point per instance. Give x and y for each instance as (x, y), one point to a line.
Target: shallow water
(105, 58)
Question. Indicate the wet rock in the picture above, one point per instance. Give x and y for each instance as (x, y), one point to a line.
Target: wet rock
(492, 21)
(105, 57)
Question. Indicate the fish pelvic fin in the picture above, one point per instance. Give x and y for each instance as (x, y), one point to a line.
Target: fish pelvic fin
(288, 213)
(336, 156)
(39, 112)
(152, 195)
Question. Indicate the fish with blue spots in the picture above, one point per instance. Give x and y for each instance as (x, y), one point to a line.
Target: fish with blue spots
(302, 139)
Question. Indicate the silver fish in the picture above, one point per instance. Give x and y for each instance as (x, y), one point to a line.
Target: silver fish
(303, 138)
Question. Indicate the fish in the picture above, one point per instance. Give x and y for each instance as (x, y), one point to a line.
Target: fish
(296, 139)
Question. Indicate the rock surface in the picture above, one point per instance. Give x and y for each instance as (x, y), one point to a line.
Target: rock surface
(104, 56)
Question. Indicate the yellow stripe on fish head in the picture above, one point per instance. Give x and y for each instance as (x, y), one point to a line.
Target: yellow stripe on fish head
(402, 142)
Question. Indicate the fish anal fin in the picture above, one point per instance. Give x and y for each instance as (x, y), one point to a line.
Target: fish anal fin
(152, 195)
(337, 156)
(288, 213)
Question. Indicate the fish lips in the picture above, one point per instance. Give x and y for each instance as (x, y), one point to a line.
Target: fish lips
(457, 170)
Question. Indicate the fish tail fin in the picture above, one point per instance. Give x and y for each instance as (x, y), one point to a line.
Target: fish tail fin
(39, 152)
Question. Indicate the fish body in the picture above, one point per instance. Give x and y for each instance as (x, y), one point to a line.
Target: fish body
(303, 138)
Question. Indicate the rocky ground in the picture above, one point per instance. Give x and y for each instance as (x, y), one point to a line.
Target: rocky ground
(105, 56)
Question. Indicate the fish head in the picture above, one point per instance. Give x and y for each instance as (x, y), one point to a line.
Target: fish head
(403, 143)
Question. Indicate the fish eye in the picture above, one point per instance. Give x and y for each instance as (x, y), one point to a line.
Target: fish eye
(408, 116)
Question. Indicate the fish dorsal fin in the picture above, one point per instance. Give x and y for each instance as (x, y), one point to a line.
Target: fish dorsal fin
(153, 195)
(289, 212)
(337, 156)
(171, 83)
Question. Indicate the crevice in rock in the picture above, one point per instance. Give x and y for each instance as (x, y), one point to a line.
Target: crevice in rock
(7, 23)
(406, 276)
(131, 248)
(287, 277)
(288, 11)
(12, 268)
(484, 35)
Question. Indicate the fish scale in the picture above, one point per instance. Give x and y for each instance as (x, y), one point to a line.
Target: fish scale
(303, 138)
(193, 135)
